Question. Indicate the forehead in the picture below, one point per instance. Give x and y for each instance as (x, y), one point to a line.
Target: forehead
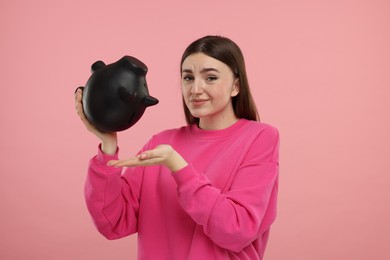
(199, 61)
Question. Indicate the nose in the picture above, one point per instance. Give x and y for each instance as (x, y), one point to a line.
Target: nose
(196, 87)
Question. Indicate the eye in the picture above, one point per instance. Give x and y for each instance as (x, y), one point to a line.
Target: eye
(211, 78)
(187, 78)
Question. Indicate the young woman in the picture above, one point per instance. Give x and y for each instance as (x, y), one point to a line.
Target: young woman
(207, 190)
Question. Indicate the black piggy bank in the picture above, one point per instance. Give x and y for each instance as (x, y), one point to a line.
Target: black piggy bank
(116, 95)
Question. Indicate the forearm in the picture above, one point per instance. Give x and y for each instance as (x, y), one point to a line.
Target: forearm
(176, 162)
(113, 214)
(95, 192)
(109, 147)
(232, 220)
(109, 143)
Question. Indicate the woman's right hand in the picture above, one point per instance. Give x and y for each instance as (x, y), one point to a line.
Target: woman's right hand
(109, 140)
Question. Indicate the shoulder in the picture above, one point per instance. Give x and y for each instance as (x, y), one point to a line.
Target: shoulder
(265, 146)
(262, 129)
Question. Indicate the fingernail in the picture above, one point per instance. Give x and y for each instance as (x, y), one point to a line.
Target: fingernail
(142, 156)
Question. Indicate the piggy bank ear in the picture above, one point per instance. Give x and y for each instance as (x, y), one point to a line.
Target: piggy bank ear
(97, 65)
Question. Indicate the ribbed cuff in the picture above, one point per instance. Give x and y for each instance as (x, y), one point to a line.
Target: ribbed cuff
(185, 175)
(106, 157)
(99, 162)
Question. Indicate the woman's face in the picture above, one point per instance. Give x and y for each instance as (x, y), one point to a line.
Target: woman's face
(208, 86)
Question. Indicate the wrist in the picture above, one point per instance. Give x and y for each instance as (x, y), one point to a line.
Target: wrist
(176, 162)
(109, 147)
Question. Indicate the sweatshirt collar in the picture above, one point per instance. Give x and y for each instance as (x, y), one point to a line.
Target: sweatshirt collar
(216, 134)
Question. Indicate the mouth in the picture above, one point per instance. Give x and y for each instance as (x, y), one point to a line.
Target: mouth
(198, 101)
(131, 118)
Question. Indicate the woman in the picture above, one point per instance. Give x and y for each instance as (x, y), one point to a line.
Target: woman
(207, 190)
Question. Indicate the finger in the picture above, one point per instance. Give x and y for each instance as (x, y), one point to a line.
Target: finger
(81, 88)
(124, 162)
(78, 97)
(78, 93)
(157, 152)
(143, 156)
(80, 112)
(133, 162)
(78, 103)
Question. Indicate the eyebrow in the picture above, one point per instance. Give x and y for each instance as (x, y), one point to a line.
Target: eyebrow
(205, 70)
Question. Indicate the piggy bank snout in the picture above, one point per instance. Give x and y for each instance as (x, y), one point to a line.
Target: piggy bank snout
(130, 97)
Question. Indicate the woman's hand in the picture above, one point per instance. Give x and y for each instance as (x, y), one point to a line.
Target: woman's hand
(109, 140)
(161, 155)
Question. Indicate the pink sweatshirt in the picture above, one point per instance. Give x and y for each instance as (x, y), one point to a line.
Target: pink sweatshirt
(220, 206)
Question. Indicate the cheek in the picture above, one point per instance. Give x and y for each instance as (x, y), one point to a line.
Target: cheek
(223, 93)
(184, 91)
(185, 95)
(182, 88)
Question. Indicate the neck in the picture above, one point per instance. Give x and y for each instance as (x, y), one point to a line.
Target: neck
(213, 124)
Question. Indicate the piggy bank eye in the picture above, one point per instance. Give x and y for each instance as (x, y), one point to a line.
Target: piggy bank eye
(125, 95)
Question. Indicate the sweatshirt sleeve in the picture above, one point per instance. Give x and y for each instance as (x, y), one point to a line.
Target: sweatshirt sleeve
(234, 219)
(112, 200)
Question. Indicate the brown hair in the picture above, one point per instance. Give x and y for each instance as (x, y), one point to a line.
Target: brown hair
(226, 51)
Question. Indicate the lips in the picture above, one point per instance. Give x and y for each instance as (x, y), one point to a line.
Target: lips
(198, 102)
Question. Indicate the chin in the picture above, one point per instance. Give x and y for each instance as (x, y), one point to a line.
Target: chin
(198, 115)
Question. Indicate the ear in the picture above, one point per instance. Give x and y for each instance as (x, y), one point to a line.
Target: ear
(97, 65)
(236, 88)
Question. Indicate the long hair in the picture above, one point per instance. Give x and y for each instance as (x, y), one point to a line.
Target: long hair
(228, 52)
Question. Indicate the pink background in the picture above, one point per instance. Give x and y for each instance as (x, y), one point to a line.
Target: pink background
(319, 70)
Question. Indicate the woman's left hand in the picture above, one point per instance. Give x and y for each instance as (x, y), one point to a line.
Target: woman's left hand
(163, 154)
